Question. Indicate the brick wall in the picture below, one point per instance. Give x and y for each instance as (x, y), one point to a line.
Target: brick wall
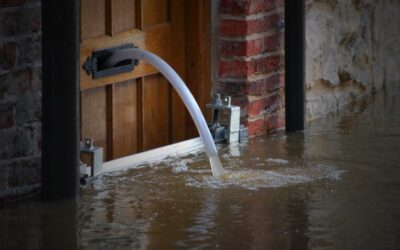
(20, 97)
(251, 61)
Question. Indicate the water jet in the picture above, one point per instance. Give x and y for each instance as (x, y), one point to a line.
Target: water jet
(176, 81)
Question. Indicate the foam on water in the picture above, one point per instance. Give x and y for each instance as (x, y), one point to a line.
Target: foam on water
(253, 179)
(278, 161)
(216, 166)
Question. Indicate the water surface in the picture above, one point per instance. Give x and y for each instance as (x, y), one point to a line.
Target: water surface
(335, 186)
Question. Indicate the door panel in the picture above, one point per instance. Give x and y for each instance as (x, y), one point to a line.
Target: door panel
(125, 129)
(155, 12)
(137, 110)
(133, 111)
(156, 111)
(123, 15)
(93, 18)
(94, 116)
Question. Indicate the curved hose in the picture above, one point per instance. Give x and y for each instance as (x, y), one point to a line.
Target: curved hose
(177, 83)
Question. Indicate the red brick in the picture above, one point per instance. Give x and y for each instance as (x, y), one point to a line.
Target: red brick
(271, 21)
(233, 27)
(272, 102)
(8, 55)
(233, 48)
(281, 41)
(268, 64)
(271, 43)
(242, 102)
(9, 3)
(256, 127)
(256, 107)
(275, 82)
(257, 87)
(235, 68)
(233, 88)
(240, 7)
(6, 116)
(275, 122)
(242, 48)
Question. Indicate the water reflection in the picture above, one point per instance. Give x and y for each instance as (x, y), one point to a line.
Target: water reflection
(348, 197)
(37, 225)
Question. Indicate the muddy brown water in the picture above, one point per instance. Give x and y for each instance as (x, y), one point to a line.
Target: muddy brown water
(335, 186)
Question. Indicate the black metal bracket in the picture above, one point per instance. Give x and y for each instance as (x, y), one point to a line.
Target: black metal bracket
(94, 64)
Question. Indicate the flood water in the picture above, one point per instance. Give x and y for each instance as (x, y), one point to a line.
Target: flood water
(335, 186)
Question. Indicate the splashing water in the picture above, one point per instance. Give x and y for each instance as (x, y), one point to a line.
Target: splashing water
(216, 166)
(254, 179)
(182, 90)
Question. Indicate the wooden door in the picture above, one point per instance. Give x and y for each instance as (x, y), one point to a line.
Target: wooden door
(138, 110)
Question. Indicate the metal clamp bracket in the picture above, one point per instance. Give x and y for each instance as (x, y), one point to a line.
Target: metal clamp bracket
(94, 64)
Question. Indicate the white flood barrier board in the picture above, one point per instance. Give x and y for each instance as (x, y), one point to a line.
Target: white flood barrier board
(177, 149)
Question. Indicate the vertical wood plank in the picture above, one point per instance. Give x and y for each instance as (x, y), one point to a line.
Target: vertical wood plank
(198, 60)
(179, 112)
(94, 117)
(155, 111)
(155, 12)
(139, 14)
(123, 15)
(93, 18)
(110, 120)
(125, 119)
(139, 109)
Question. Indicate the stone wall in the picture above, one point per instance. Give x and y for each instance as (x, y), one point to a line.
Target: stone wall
(20, 97)
(352, 49)
(251, 61)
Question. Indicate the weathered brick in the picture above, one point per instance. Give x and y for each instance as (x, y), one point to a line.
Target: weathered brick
(36, 79)
(3, 86)
(256, 107)
(10, 3)
(276, 121)
(246, 7)
(28, 109)
(271, 42)
(8, 55)
(6, 116)
(275, 82)
(256, 87)
(20, 97)
(268, 104)
(256, 127)
(29, 49)
(242, 48)
(235, 68)
(268, 64)
(233, 88)
(21, 21)
(24, 172)
(18, 82)
(281, 39)
(233, 27)
(7, 149)
(9, 23)
(246, 47)
(26, 141)
(272, 102)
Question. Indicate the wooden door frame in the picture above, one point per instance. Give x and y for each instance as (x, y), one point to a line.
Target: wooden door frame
(294, 65)
(60, 99)
(60, 95)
